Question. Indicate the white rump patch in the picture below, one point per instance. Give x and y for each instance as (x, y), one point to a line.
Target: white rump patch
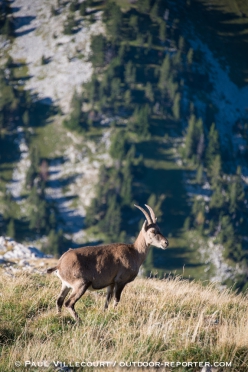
(66, 284)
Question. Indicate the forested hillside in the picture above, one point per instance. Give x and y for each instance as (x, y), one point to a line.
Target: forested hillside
(160, 119)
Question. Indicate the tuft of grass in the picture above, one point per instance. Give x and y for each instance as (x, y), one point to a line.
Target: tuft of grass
(172, 320)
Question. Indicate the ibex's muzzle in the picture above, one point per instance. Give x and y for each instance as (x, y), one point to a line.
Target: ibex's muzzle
(164, 243)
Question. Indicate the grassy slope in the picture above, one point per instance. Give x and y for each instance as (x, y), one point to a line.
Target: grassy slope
(168, 320)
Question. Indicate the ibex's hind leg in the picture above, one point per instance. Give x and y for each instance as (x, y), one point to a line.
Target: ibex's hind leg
(110, 291)
(76, 294)
(62, 296)
(118, 289)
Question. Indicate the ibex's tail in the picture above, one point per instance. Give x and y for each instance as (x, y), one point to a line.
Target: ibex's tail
(49, 271)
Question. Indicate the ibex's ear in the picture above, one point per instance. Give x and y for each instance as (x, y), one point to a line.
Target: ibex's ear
(144, 227)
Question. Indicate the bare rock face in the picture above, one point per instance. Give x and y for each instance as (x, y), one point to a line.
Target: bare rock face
(16, 257)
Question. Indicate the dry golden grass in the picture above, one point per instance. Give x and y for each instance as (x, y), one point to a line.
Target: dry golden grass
(171, 320)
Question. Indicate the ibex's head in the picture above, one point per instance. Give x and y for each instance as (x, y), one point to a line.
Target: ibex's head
(151, 231)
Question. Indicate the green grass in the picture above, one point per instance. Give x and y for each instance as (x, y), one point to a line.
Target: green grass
(160, 321)
(51, 138)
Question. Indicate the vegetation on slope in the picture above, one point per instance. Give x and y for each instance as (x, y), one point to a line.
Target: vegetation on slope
(146, 80)
(169, 320)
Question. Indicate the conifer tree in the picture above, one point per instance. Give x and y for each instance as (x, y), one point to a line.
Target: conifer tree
(162, 31)
(126, 187)
(118, 145)
(97, 48)
(134, 24)
(34, 166)
(213, 147)
(217, 200)
(128, 97)
(115, 88)
(154, 13)
(176, 106)
(11, 229)
(215, 171)
(199, 174)
(164, 74)
(25, 118)
(112, 221)
(193, 137)
(130, 73)
(149, 92)
(190, 55)
(82, 9)
(181, 44)
(149, 41)
(113, 17)
(141, 121)
(226, 236)
(143, 6)
(235, 192)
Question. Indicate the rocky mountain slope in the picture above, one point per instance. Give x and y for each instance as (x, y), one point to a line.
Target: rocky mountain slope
(52, 64)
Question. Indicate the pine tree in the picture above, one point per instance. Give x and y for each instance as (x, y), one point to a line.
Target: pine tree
(164, 74)
(11, 229)
(25, 118)
(162, 31)
(53, 11)
(190, 56)
(176, 106)
(115, 88)
(130, 73)
(199, 175)
(181, 44)
(118, 146)
(73, 6)
(112, 221)
(154, 14)
(126, 187)
(149, 41)
(149, 92)
(141, 121)
(227, 237)
(215, 171)
(113, 16)
(74, 122)
(218, 199)
(236, 193)
(194, 137)
(143, 6)
(52, 246)
(156, 203)
(213, 147)
(128, 97)
(82, 9)
(97, 48)
(134, 24)
(34, 166)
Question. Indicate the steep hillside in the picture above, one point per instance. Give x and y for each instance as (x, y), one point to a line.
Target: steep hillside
(110, 103)
(156, 321)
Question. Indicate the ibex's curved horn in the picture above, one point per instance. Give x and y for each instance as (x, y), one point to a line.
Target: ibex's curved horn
(154, 218)
(145, 213)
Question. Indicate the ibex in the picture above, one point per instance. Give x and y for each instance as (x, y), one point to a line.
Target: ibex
(111, 265)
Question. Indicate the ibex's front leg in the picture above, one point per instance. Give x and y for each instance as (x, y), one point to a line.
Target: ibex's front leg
(118, 290)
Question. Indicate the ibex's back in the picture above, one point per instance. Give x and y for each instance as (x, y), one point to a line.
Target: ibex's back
(100, 265)
(112, 265)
